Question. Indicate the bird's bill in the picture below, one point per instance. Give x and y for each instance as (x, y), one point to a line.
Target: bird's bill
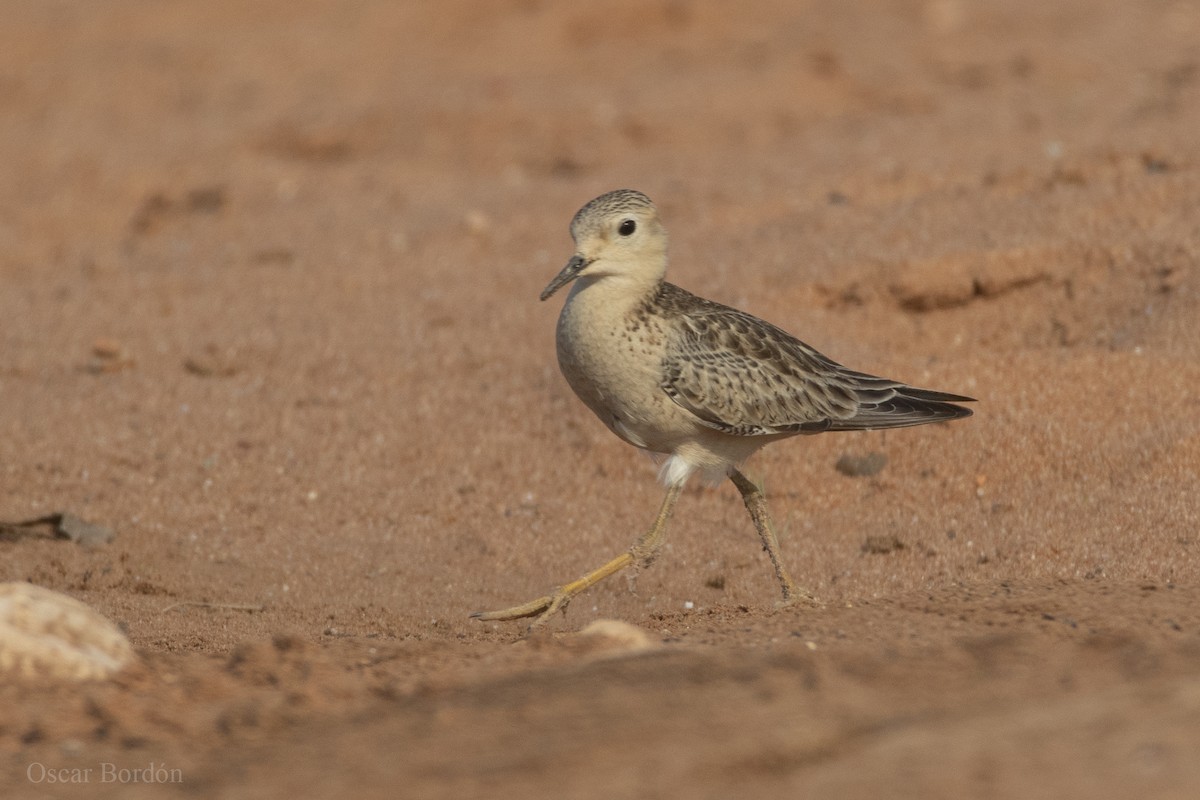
(568, 274)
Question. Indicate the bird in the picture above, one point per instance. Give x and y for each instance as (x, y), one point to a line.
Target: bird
(700, 385)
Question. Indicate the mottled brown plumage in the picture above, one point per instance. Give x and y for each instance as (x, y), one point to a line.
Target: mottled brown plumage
(746, 377)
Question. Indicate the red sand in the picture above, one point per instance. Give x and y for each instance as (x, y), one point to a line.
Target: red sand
(270, 313)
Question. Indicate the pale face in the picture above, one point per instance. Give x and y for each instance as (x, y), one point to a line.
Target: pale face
(617, 234)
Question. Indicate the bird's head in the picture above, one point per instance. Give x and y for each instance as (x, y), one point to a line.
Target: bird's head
(618, 235)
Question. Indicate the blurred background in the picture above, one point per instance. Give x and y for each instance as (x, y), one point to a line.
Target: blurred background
(268, 308)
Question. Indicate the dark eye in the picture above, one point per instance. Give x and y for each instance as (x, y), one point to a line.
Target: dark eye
(627, 227)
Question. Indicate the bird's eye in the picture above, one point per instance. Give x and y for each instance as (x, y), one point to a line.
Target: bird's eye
(627, 227)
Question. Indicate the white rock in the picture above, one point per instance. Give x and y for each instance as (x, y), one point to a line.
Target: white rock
(45, 634)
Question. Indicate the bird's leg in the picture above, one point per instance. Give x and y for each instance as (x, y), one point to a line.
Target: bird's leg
(756, 504)
(641, 553)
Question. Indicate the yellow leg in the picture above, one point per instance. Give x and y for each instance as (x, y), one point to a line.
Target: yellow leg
(641, 553)
(756, 504)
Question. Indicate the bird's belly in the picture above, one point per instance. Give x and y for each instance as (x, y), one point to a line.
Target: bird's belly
(626, 399)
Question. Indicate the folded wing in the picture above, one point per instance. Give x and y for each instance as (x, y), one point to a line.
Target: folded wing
(746, 377)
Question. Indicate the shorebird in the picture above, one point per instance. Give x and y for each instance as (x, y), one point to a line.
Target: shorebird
(701, 385)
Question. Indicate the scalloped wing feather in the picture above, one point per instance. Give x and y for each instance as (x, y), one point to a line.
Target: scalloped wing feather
(746, 377)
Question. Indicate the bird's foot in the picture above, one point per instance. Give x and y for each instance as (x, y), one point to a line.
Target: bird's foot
(797, 597)
(542, 609)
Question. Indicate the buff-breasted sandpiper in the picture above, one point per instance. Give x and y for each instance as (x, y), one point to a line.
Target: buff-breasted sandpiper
(696, 382)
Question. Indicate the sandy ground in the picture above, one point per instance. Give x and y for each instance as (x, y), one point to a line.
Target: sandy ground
(269, 312)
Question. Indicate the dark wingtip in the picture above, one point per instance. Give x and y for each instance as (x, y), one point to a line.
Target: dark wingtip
(909, 407)
(942, 405)
(935, 396)
(959, 412)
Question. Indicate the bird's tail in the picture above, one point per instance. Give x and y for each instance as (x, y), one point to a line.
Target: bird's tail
(901, 406)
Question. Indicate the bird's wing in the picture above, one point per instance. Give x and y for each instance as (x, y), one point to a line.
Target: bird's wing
(741, 375)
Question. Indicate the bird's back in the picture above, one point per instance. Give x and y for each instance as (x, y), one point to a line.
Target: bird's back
(741, 375)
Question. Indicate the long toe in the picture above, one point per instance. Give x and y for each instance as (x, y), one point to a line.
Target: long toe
(531, 609)
(799, 598)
